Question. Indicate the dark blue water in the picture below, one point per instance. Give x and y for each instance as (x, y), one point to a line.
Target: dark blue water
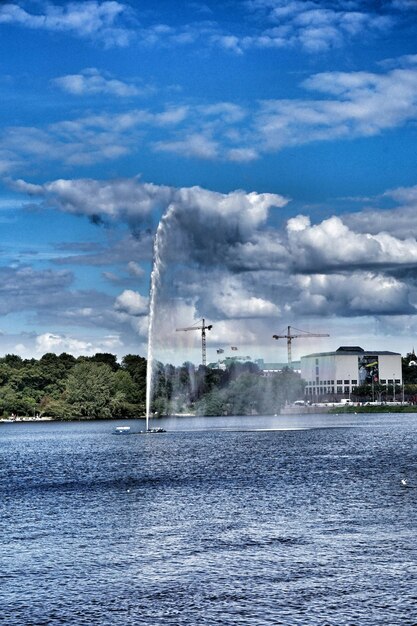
(210, 523)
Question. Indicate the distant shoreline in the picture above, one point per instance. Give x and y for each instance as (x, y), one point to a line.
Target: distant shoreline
(287, 412)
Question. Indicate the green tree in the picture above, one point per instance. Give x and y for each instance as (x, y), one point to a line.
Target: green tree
(136, 366)
(105, 357)
(89, 390)
(409, 368)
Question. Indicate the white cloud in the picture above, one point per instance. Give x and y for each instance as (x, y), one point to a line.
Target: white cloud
(314, 26)
(129, 199)
(313, 247)
(353, 105)
(89, 20)
(361, 293)
(57, 343)
(113, 199)
(233, 301)
(135, 269)
(363, 104)
(91, 82)
(404, 195)
(132, 303)
(90, 139)
(193, 145)
(222, 259)
(242, 155)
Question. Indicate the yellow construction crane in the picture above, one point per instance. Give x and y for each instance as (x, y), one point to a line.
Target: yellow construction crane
(203, 329)
(289, 337)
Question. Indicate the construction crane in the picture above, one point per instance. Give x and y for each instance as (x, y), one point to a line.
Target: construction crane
(289, 337)
(203, 329)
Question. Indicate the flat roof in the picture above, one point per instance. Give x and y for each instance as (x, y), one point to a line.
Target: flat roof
(353, 353)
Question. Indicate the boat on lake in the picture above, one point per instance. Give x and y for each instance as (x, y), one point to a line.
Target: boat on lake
(122, 430)
(150, 431)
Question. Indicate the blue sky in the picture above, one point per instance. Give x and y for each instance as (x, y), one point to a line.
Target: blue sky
(280, 136)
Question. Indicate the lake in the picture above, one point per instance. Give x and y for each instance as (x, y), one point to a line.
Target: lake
(292, 520)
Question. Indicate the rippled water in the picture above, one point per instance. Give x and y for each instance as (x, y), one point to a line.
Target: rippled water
(210, 523)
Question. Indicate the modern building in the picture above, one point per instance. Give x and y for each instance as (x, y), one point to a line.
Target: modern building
(269, 369)
(335, 374)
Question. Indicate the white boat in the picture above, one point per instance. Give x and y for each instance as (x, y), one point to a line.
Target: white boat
(122, 430)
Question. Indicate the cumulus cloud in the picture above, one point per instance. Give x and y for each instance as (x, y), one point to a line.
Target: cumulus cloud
(199, 213)
(29, 345)
(132, 303)
(52, 342)
(221, 259)
(92, 82)
(399, 222)
(121, 199)
(232, 300)
(361, 293)
(313, 247)
(99, 21)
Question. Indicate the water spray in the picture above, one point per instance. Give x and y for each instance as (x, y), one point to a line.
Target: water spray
(157, 265)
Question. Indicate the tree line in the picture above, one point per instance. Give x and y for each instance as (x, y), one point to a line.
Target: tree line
(65, 387)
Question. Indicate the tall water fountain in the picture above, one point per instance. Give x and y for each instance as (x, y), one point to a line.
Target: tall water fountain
(158, 246)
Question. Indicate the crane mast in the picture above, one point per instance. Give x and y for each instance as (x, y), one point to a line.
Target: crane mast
(203, 329)
(289, 337)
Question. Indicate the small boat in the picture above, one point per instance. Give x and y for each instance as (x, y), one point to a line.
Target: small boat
(122, 430)
(151, 431)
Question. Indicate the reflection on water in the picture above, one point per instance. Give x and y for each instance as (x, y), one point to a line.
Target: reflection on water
(247, 521)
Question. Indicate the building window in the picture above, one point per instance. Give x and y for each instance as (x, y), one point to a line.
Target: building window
(390, 381)
(383, 381)
(340, 390)
(317, 361)
(332, 382)
(339, 382)
(346, 389)
(354, 382)
(346, 382)
(397, 381)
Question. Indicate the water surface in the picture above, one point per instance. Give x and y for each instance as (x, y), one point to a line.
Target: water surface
(242, 521)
